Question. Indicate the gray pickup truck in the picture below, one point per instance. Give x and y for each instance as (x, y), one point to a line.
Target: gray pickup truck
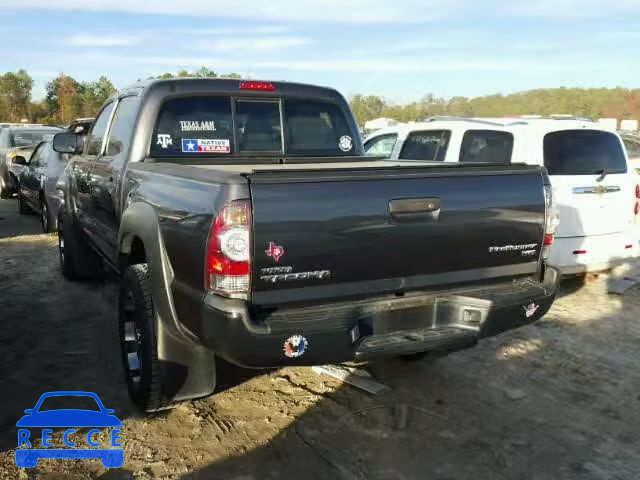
(245, 224)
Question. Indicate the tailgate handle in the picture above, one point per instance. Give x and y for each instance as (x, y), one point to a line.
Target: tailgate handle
(405, 207)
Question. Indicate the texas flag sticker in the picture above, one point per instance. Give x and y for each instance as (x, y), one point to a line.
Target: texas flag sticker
(204, 145)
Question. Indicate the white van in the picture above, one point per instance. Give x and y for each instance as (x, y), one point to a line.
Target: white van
(595, 188)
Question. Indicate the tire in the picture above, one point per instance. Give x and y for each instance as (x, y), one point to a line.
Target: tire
(138, 344)
(45, 217)
(4, 189)
(77, 260)
(22, 207)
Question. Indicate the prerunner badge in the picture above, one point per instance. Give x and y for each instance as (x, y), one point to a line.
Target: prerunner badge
(204, 145)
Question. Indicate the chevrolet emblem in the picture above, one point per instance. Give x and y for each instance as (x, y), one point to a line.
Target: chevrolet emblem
(600, 190)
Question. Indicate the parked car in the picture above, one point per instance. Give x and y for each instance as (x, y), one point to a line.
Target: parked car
(246, 224)
(443, 139)
(37, 190)
(18, 142)
(595, 186)
(632, 145)
(36, 184)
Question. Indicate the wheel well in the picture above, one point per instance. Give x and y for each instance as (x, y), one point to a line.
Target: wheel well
(137, 253)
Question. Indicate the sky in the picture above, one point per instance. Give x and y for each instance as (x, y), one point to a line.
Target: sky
(400, 49)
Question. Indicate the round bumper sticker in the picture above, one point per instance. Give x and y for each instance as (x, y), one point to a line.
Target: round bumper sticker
(295, 346)
(345, 143)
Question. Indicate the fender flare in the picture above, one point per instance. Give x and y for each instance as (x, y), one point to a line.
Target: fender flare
(188, 367)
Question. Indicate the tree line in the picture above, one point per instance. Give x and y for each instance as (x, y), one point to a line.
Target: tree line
(66, 98)
(592, 103)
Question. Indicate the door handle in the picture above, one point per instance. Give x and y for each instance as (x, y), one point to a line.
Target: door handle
(427, 208)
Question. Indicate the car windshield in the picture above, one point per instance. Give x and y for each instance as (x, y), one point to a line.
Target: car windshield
(583, 152)
(24, 137)
(222, 126)
(66, 402)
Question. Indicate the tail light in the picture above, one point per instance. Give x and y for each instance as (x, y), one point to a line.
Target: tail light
(552, 220)
(228, 263)
(263, 86)
(636, 208)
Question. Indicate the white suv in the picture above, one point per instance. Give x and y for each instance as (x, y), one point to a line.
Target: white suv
(596, 190)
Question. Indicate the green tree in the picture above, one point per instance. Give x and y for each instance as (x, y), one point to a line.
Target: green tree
(15, 91)
(94, 94)
(367, 107)
(202, 72)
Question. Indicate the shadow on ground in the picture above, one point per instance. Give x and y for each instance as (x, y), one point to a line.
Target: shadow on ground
(554, 400)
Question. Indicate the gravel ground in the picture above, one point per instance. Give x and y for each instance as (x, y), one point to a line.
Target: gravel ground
(556, 400)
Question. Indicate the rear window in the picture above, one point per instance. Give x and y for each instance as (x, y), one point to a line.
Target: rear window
(25, 137)
(430, 145)
(486, 146)
(315, 128)
(583, 152)
(194, 126)
(221, 126)
(258, 126)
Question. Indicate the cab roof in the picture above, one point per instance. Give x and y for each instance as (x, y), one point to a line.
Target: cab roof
(225, 85)
(512, 124)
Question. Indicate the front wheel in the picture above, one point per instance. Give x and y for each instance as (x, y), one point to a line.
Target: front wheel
(45, 217)
(138, 343)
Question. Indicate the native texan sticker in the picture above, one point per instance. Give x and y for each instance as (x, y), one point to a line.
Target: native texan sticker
(204, 145)
(295, 346)
(345, 143)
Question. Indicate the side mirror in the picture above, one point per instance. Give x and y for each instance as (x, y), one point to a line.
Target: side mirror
(19, 160)
(65, 143)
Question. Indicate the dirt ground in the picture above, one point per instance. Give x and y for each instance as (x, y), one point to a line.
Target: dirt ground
(556, 400)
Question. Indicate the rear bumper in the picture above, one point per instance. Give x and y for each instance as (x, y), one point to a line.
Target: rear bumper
(602, 252)
(375, 328)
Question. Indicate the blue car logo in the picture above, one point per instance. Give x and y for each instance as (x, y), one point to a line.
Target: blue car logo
(69, 420)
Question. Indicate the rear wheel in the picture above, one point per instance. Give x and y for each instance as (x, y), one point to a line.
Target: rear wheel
(137, 327)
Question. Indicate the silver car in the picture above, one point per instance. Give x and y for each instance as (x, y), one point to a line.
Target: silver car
(12, 140)
(37, 184)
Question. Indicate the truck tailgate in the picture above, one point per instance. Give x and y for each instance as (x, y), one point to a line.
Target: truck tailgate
(372, 231)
